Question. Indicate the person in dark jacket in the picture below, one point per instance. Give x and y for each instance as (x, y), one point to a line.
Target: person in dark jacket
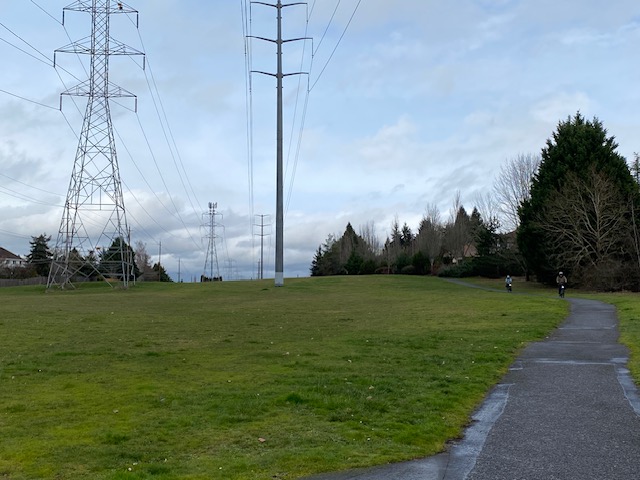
(507, 283)
(561, 281)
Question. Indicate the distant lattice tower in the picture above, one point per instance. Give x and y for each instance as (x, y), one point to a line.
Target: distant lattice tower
(211, 261)
(93, 240)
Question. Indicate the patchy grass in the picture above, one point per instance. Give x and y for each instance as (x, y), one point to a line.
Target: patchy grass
(242, 380)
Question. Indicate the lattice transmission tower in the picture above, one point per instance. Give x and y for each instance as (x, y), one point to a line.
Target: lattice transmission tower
(93, 239)
(211, 261)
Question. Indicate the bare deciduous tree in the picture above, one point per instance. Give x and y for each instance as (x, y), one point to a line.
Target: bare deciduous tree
(142, 258)
(488, 208)
(513, 185)
(588, 222)
(368, 233)
(429, 236)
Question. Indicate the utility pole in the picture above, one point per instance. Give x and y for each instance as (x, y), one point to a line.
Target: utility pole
(94, 197)
(212, 254)
(279, 276)
(261, 235)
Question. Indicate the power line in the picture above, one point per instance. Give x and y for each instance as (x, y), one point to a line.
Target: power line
(246, 32)
(13, 234)
(21, 196)
(302, 122)
(328, 25)
(48, 60)
(29, 186)
(337, 44)
(166, 128)
(153, 191)
(54, 18)
(27, 99)
(177, 212)
(171, 144)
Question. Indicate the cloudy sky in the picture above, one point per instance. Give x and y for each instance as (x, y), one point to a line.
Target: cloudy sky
(408, 103)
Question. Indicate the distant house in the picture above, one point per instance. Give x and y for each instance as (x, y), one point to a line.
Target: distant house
(10, 260)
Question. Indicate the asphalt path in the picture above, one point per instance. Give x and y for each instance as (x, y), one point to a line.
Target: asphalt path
(567, 409)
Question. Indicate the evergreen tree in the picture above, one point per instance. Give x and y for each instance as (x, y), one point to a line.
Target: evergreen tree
(579, 156)
(161, 273)
(406, 237)
(40, 255)
(316, 264)
(118, 254)
(350, 255)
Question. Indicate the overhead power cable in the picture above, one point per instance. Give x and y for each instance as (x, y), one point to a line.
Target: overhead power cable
(328, 25)
(337, 45)
(302, 121)
(22, 196)
(54, 18)
(28, 100)
(46, 60)
(170, 140)
(245, 11)
(29, 186)
(13, 234)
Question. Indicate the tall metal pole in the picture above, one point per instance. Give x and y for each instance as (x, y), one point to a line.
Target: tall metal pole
(279, 280)
(279, 274)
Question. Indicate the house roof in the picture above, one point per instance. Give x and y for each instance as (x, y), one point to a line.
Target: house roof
(7, 255)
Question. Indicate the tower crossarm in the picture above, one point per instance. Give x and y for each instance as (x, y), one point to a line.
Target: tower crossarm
(83, 47)
(86, 6)
(84, 90)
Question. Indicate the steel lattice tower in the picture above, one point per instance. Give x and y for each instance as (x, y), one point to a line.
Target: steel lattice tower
(93, 239)
(212, 253)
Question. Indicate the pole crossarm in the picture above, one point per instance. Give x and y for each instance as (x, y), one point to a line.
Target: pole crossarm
(281, 5)
(275, 74)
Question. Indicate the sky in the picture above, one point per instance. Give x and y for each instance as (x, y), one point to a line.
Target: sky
(399, 105)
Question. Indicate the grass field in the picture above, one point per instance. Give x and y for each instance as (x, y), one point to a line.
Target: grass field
(242, 380)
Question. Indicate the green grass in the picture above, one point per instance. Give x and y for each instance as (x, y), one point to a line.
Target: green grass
(520, 285)
(242, 380)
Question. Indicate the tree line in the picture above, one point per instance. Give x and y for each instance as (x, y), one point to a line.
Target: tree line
(574, 207)
(93, 266)
(466, 244)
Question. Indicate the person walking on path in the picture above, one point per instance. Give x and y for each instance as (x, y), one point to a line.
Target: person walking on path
(508, 283)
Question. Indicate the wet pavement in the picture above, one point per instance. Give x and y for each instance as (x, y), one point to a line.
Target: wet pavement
(568, 409)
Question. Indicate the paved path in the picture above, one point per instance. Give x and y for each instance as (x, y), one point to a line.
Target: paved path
(567, 410)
